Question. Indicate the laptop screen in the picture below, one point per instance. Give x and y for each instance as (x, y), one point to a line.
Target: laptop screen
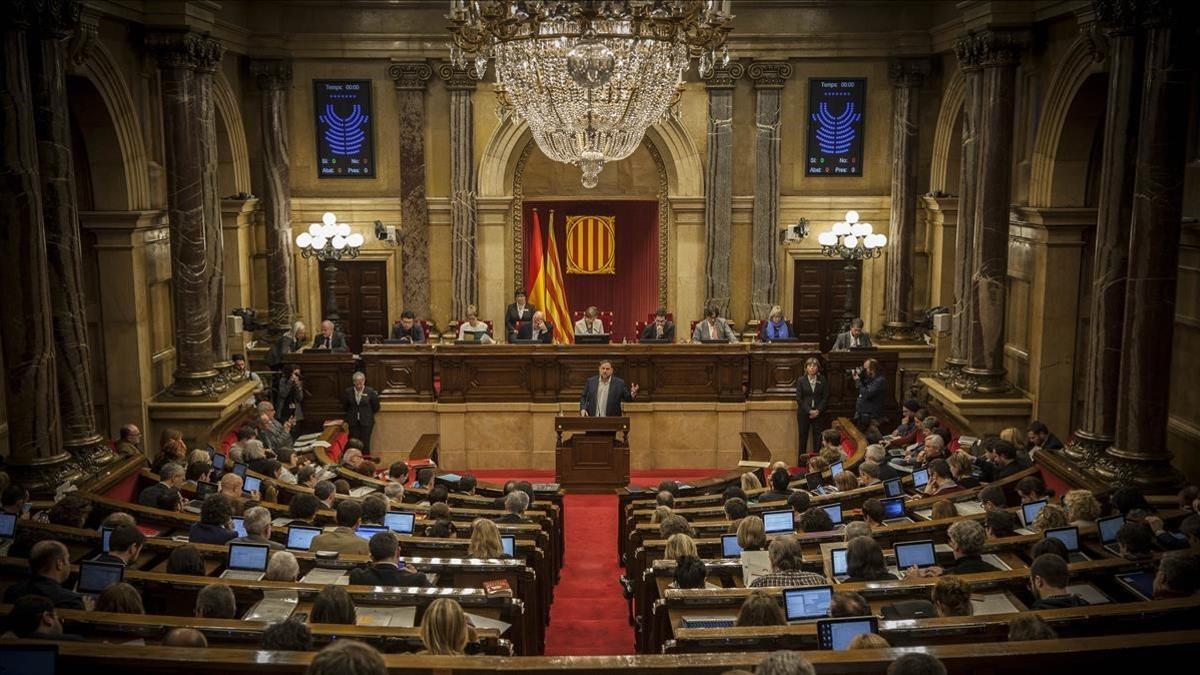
(300, 538)
(1029, 511)
(239, 525)
(837, 561)
(775, 522)
(105, 533)
(368, 531)
(1108, 528)
(893, 488)
(809, 602)
(836, 634)
(251, 484)
(218, 461)
(1140, 582)
(1069, 536)
(94, 577)
(920, 478)
(914, 554)
(835, 513)
(813, 480)
(730, 548)
(248, 557)
(30, 659)
(8, 524)
(509, 543)
(835, 468)
(399, 521)
(893, 508)
(204, 489)
(240, 469)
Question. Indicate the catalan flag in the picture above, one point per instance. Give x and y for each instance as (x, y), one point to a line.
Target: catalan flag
(548, 292)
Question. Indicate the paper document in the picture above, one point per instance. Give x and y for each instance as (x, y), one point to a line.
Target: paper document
(276, 606)
(971, 508)
(992, 603)
(324, 576)
(391, 617)
(485, 622)
(754, 565)
(362, 491)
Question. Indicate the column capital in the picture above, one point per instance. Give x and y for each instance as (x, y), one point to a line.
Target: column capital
(83, 42)
(186, 50)
(410, 75)
(769, 74)
(1117, 17)
(457, 79)
(54, 19)
(272, 74)
(991, 49)
(908, 72)
(724, 76)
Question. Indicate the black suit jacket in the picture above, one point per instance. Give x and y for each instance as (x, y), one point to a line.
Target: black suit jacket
(871, 396)
(360, 413)
(336, 343)
(1003, 472)
(649, 332)
(807, 398)
(47, 588)
(512, 519)
(386, 575)
(151, 495)
(415, 335)
(526, 332)
(970, 564)
(617, 392)
(887, 471)
(511, 317)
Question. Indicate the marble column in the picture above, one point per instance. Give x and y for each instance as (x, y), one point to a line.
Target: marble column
(463, 218)
(1140, 456)
(769, 78)
(998, 54)
(274, 79)
(410, 79)
(906, 76)
(202, 91)
(64, 247)
(36, 457)
(1102, 368)
(718, 184)
(179, 55)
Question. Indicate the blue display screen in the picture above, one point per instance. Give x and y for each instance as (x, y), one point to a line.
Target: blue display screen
(836, 119)
(343, 120)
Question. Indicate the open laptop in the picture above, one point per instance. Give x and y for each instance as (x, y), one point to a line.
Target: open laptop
(815, 482)
(94, 576)
(1108, 528)
(920, 478)
(1141, 584)
(835, 469)
(1069, 536)
(509, 543)
(778, 522)
(240, 469)
(8, 525)
(914, 554)
(218, 461)
(893, 488)
(709, 621)
(836, 634)
(400, 522)
(835, 513)
(247, 562)
(250, 484)
(368, 531)
(300, 537)
(730, 548)
(893, 511)
(838, 564)
(239, 525)
(1029, 511)
(807, 603)
(203, 490)
(29, 659)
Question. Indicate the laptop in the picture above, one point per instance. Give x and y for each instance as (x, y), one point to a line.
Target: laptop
(920, 478)
(204, 489)
(807, 603)
(730, 548)
(1140, 584)
(400, 522)
(1029, 511)
(105, 535)
(835, 513)
(218, 461)
(709, 622)
(893, 511)
(239, 525)
(509, 543)
(300, 537)
(29, 659)
(835, 469)
(712, 341)
(836, 634)
(778, 522)
(8, 525)
(368, 531)
(838, 564)
(815, 482)
(1108, 528)
(94, 576)
(250, 484)
(590, 339)
(893, 488)
(247, 562)
(240, 469)
(914, 554)
(1069, 536)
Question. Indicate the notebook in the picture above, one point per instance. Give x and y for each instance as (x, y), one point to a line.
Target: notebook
(778, 522)
(835, 513)
(807, 603)
(1140, 584)
(709, 622)
(1069, 536)
(1030, 510)
(204, 489)
(368, 531)
(300, 537)
(1108, 528)
(815, 482)
(251, 484)
(94, 576)
(729, 546)
(218, 461)
(836, 634)
(893, 488)
(920, 478)
(914, 554)
(247, 562)
(240, 469)
(893, 509)
(835, 469)
(400, 522)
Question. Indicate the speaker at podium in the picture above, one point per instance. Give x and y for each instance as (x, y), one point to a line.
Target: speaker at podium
(592, 458)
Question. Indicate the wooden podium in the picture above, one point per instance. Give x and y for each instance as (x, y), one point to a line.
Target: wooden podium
(592, 458)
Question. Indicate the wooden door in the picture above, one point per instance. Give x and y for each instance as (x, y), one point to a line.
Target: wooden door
(361, 292)
(819, 299)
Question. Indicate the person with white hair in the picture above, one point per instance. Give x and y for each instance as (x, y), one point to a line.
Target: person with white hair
(257, 521)
(330, 338)
(282, 567)
(271, 432)
(394, 491)
(291, 341)
(361, 403)
(878, 454)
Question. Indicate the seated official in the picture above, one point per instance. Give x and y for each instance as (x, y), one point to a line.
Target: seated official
(343, 538)
(33, 617)
(1178, 576)
(865, 561)
(760, 609)
(780, 490)
(257, 521)
(124, 546)
(713, 328)
(537, 329)
(966, 539)
(291, 341)
(1048, 578)
(518, 313)
(216, 516)
(216, 601)
(603, 393)
(589, 324)
(50, 567)
(1007, 462)
(515, 504)
(786, 566)
(848, 603)
(660, 329)
(408, 330)
(775, 327)
(170, 477)
(855, 338)
(1040, 437)
(473, 327)
(330, 339)
(907, 432)
(385, 568)
(485, 540)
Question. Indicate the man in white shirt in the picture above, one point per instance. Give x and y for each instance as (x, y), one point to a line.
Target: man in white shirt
(589, 324)
(713, 327)
(604, 393)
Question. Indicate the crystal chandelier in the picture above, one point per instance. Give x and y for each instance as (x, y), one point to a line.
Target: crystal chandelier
(851, 239)
(589, 76)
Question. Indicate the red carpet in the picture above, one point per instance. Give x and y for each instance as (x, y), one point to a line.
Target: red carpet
(590, 616)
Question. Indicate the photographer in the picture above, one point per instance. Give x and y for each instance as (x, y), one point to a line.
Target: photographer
(872, 390)
(291, 395)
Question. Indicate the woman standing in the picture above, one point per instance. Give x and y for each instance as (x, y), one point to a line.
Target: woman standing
(812, 392)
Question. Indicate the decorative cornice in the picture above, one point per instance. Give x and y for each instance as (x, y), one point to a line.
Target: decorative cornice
(56, 19)
(769, 74)
(724, 77)
(991, 49)
(908, 72)
(410, 75)
(1117, 17)
(185, 50)
(272, 74)
(83, 42)
(458, 79)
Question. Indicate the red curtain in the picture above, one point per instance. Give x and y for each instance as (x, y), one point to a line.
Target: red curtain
(632, 292)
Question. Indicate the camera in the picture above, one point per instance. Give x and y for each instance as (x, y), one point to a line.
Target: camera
(387, 233)
(249, 317)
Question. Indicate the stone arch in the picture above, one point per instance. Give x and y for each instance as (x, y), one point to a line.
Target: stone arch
(132, 185)
(947, 138)
(231, 139)
(1048, 182)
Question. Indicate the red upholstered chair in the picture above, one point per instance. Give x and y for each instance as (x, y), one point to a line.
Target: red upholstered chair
(638, 327)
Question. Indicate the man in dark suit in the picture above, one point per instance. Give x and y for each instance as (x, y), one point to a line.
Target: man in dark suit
(385, 568)
(1040, 437)
(603, 393)
(330, 339)
(855, 338)
(519, 312)
(170, 477)
(872, 390)
(1007, 462)
(50, 565)
(660, 329)
(408, 330)
(361, 403)
(536, 329)
(124, 546)
(812, 393)
(515, 504)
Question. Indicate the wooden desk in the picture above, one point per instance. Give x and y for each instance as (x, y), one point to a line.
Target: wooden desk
(326, 375)
(592, 459)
